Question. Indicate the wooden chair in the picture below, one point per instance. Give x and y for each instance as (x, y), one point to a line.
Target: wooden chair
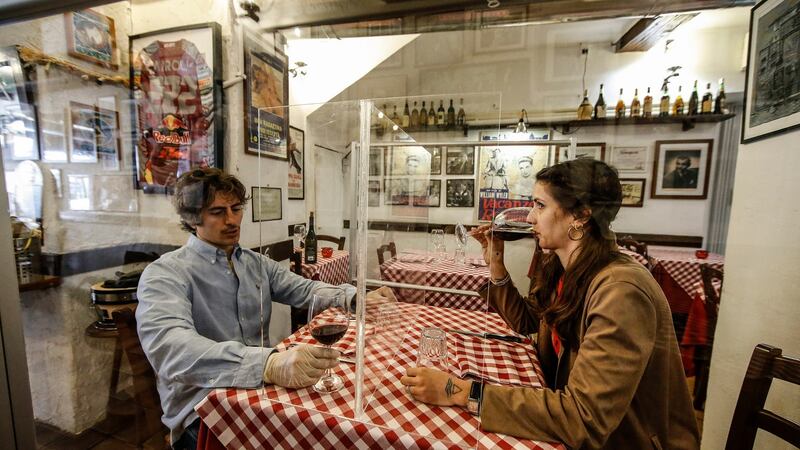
(338, 241)
(766, 363)
(390, 247)
(633, 245)
(281, 251)
(702, 354)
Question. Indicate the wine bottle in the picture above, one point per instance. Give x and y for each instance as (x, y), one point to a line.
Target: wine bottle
(677, 108)
(708, 101)
(431, 116)
(440, 114)
(461, 117)
(423, 116)
(663, 107)
(395, 118)
(406, 116)
(619, 111)
(600, 106)
(414, 122)
(311, 241)
(647, 107)
(585, 108)
(720, 105)
(636, 106)
(451, 115)
(694, 101)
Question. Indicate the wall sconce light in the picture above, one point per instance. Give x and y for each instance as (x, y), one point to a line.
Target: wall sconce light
(298, 69)
(522, 126)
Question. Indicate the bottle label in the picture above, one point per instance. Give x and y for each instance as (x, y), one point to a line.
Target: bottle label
(601, 112)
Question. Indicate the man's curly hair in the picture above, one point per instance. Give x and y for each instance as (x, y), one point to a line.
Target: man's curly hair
(195, 191)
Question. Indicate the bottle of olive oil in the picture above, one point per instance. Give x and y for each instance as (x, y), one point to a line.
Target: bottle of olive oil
(647, 108)
(619, 110)
(636, 105)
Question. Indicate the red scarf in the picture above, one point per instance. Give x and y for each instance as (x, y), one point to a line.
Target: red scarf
(553, 333)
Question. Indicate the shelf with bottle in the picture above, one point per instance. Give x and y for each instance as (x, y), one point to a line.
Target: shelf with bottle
(426, 119)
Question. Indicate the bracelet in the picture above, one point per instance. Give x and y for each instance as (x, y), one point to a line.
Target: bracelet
(501, 282)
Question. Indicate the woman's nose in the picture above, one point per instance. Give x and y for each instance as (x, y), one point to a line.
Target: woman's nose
(531, 218)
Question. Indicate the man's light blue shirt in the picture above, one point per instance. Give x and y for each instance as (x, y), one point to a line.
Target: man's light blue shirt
(201, 325)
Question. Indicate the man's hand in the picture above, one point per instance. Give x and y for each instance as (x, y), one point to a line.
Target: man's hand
(299, 366)
(384, 294)
(436, 387)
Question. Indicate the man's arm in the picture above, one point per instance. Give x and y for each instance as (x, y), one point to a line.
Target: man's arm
(291, 289)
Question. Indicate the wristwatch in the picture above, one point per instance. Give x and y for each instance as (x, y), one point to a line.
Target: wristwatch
(475, 398)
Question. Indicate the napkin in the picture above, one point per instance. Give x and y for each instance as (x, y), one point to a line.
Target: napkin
(493, 361)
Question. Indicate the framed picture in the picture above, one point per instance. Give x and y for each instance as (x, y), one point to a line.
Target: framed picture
(460, 161)
(79, 188)
(633, 191)
(91, 37)
(266, 204)
(681, 169)
(413, 161)
(427, 193)
(375, 161)
(772, 93)
(178, 120)
(114, 192)
(83, 141)
(506, 177)
(374, 193)
(266, 99)
(17, 135)
(297, 152)
(594, 150)
(629, 159)
(396, 190)
(436, 160)
(461, 193)
(107, 134)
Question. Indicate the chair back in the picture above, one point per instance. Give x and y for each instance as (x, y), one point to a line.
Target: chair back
(390, 247)
(338, 241)
(633, 245)
(283, 250)
(702, 355)
(766, 363)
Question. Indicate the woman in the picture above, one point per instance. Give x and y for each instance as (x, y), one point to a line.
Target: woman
(606, 342)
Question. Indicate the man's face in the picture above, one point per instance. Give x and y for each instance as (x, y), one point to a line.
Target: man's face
(525, 169)
(221, 221)
(411, 166)
(681, 164)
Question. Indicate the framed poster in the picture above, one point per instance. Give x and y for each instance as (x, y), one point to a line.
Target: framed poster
(633, 191)
(18, 138)
(177, 88)
(772, 90)
(461, 193)
(396, 190)
(266, 99)
(413, 161)
(83, 141)
(427, 193)
(91, 37)
(629, 159)
(297, 152)
(266, 204)
(107, 135)
(460, 161)
(374, 193)
(593, 150)
(681, 169)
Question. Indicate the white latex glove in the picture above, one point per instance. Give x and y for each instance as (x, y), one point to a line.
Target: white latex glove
(383, 294)
(299, 366)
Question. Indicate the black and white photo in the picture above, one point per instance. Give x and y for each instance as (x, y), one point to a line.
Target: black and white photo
(681, 169)
(460, 160)
(396, 190)
(461, 193)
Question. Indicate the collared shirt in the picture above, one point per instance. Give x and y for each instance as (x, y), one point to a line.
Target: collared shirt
(202, 325)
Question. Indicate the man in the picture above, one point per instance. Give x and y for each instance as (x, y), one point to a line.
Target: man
(460, 164)
(412, 164)
(524, 186)
(494, 175)
(200, 308)
(683, 177)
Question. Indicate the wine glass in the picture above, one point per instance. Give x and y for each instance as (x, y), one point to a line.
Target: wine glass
(461, 244)
(437, 241)
(300, 235)
(328, 321)
(512, 224)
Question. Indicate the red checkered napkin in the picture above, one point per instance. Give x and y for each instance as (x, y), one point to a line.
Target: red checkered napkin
(493, 360)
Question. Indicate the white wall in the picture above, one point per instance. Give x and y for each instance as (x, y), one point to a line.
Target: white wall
(760, 300)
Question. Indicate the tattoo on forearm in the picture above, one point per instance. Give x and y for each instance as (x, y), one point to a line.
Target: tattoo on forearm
(451, 389)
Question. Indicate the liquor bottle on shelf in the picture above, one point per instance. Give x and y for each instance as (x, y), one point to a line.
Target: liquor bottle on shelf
(619, 110)
(600, 106)
(663, 107)
(585, 108)
(677, 108)
(708, 101)
(414, 122)
(406, 116)
(720, 105)
(395, 118)
(423, 116)
(431, 116)
(636, 105)
(440, 116)
(311, 242)
(647, 107)
(694, 101)
(461, 116)
(451, 115)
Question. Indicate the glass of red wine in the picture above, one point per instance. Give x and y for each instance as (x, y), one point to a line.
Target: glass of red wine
(511, 224)
(328, 319)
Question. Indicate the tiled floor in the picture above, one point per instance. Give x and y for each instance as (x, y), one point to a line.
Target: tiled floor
(113, 433)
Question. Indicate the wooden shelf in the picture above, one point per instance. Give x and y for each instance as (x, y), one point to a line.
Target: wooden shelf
(687, 122)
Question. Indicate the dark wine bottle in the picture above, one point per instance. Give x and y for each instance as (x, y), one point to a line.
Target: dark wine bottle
(440, 115)
(311, 242)
(600, 106)
(451, 115)
(694, 101)
(423, 116)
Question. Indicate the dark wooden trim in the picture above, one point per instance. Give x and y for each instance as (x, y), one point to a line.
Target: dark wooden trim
(645, 33)
(66, 264)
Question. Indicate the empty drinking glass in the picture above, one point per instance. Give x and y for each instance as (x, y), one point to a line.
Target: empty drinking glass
(437, 244)
(299, 235)
(432, 351)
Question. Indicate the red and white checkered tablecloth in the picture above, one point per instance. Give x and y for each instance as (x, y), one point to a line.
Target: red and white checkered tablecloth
(334, 270)
(684, 267)
(439, 273)
(276, 417)
(639, 258)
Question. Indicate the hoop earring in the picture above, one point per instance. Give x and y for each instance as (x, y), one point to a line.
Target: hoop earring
(578, 229)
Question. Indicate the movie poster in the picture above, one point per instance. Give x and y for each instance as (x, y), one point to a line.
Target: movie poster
(506, 176)
(266, 96)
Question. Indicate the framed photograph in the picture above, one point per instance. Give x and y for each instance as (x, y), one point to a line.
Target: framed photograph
(18, 134)
(460, 161)
(297, 151)
(396, 190)
(374, 193)
(413, 161)
(375, 161)
(506, 177)
(427, 193)
(82, 122)
(772, 93)
(114, 192)
(629, 159)
(681, 169)
(91, 37)
(436, 160)
(107, 134)
(266, 204)
(633, 191)
(461, 193)
(593, 150)
(266, 98)
(177, 88)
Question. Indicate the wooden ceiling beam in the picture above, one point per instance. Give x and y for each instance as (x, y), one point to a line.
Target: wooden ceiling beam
(644, 34)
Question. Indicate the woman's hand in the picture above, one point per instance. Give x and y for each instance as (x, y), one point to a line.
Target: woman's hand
(435, 387)
(493, 250)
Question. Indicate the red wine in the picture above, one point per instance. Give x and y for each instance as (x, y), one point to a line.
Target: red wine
(511, 235)
(328, 334)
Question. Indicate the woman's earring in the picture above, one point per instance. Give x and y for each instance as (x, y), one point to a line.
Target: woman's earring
(576, 229)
